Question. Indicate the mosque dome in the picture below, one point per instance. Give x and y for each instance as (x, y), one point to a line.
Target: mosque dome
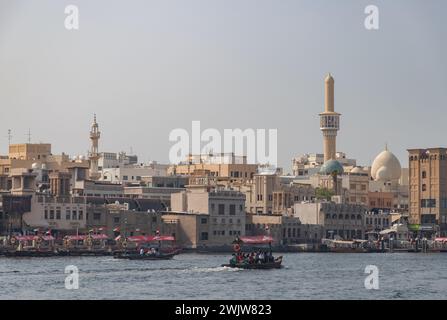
(331, 167)
(386, 167)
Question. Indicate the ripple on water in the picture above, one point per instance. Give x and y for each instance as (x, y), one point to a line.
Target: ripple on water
(191, 276)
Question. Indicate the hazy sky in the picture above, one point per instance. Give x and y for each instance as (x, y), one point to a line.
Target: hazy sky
(147, 67)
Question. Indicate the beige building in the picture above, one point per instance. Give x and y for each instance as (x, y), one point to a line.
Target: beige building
(226, 166)
(356, 181)
(129, 217)
(344, 220)
(30, 151)
(428, 189)
(215, 217)
(284, 229)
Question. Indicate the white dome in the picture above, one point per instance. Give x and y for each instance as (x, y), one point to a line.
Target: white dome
(386, 167)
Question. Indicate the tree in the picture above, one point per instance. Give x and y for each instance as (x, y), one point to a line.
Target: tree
(324, 194)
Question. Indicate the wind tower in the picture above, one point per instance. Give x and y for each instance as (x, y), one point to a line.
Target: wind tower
(94, 154)
(329, 120)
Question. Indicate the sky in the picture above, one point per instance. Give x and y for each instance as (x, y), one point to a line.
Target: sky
(147, 67)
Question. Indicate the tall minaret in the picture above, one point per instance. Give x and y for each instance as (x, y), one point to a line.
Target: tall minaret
(94, 154)
(329, 120)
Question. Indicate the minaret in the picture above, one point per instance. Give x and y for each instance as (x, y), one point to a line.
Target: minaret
(94, 154)
(329, 120)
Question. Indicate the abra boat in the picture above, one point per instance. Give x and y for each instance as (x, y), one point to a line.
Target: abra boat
(277, 264)
(137, 256)
(252, 242)
(145, 248)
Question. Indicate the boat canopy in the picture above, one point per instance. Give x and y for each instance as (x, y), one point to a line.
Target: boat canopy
(441, 239)
(93, 236)
(150, 238)
(256, 240)
(31, 238)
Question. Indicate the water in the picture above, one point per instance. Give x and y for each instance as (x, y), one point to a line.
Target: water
(195, 276)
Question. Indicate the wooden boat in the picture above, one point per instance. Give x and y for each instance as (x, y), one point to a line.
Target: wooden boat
(137, 256)
(30, 253)
(146, 248)
(251, 241)
(83, 252)
(342, 246)
(277, 264)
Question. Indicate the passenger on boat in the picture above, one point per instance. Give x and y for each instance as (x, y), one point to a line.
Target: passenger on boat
(141, 251)
(233, 260)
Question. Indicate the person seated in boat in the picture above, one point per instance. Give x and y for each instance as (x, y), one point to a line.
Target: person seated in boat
(233, 260)
(141, 251)
(261, 257)
(251, 258)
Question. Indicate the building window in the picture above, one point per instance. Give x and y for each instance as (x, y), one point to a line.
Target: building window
(116, 220)
(424, 174)
(270, 197)
(424, 187)
(241, 207)
(97, 216)
(428, 203)
(81, 215)
(58, 213)
(51, 214)
(154, 219)
(67, 214)
(203, 220)
(212, 207)
(125, 178)
(204, 236)
(232, 209)
(46, 214)
(221, 209)
(74, 215)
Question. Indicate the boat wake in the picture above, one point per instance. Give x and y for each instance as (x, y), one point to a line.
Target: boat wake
(215, 269)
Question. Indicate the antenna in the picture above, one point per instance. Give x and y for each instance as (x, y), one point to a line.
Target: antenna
(9, 136)
(29, 135)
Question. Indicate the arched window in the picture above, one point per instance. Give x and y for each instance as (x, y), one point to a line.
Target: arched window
(334, 216)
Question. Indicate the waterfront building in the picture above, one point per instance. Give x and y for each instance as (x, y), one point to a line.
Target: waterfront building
(285, 230)
(208, 216)
(60, 214)
(337, 219)
(128, 217)
(428, 190)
